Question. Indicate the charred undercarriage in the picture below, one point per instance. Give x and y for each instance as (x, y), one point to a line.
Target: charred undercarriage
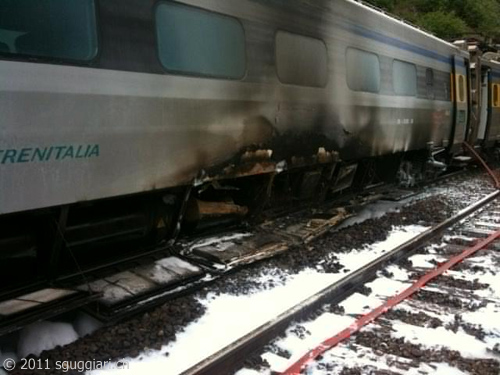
(62, 242)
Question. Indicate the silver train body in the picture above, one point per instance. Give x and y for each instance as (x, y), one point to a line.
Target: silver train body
(319, 81)
(112, 132)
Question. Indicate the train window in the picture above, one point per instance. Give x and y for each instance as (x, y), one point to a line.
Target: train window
(58, 29)
(442, 82)
(461, 97)
(404, 78)
(193, 41)
(429, 80)
(301, 60)
(363, 70)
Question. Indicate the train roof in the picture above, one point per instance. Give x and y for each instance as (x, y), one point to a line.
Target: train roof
(406, 24)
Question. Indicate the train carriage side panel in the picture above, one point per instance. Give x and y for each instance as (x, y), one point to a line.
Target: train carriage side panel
(461, 100)
(493, 132)
(485, 104)
(78, 133)
(405, 113)
(123, 123)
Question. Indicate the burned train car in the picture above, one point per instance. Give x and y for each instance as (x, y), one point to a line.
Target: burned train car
(125, 121)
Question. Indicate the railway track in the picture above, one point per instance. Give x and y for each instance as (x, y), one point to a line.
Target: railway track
(119, 290)
(128, 338)
(389, 345)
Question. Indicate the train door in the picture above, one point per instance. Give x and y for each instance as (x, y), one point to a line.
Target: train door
(484, 108)
(460, 79)
(493, 132)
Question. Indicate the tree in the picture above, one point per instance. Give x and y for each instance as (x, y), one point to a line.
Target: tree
(449, 18)
(383, 4)
(443, 24)
(483, 16)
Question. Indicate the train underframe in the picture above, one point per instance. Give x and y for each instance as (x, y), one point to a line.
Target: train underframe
(60, 242)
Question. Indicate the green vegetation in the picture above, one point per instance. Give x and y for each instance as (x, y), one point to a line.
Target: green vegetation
(449, 19)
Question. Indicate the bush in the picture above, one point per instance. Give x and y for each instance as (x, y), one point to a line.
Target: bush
(443, 24)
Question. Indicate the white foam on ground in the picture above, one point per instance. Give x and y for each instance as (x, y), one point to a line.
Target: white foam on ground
(246, 371)
(219, 327)
(343, 356)
(351, 355)
(85, 324)
(446, 369)
(467, 345)
(360, 304)
(375, 210)
(399, 273)
(41, 336)
(414, 306)
(466, 239)
(354, 259)
(276, 362)
(488, 317)
(386, 287)
(423, 261)
(317, 334)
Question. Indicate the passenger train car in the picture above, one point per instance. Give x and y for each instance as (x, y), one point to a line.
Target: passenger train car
(486, 86)
(124, 122)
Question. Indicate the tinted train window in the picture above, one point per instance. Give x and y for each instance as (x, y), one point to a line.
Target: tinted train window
(363, 70)
(60, 29)
(442, 85)
(197, 42)
(404, 78)
(301, 60)
(429, 80)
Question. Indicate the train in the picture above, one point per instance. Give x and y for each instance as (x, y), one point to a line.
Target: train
(126, 123)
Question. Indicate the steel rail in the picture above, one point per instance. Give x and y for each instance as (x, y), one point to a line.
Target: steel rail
(230, 358)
